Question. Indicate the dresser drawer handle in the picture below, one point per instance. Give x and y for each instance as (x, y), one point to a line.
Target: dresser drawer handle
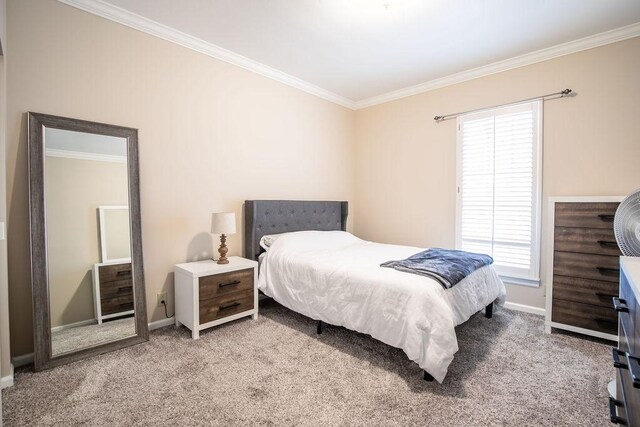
(605, 295)
(612, 411)
(617, 363)
(224, 285)
(633, 363)
(607, 243)
(604, 270)
(620, 305)
(123, 273)
(227, 307)
(123, 289)
(606, 217)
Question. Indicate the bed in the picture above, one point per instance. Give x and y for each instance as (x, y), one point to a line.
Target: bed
(316, 268)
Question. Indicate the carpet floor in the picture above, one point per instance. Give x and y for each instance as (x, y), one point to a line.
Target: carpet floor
(277, 371)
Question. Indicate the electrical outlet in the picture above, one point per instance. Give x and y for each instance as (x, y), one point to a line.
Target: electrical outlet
(162, 297)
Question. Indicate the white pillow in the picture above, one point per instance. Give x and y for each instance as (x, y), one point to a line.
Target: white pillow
(267, 240)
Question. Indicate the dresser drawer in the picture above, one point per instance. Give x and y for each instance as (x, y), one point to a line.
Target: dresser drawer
(596, 292)
(629, 320)
(116, 289)
(586, 215)
(116, 304)
(594, 317)
(226, 305)
(110, 273)
(224, 284)
(600, 241)
(586, 266)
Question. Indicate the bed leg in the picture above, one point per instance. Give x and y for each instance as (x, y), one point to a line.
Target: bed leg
(427, 376)
(319, 327)
(488, 311)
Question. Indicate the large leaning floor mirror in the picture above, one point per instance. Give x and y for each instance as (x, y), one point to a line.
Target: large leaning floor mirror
(86, 246)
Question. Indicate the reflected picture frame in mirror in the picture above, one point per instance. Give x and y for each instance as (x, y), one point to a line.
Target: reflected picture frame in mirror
(37, 124)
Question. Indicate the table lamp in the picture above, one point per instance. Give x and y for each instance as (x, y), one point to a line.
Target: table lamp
(223, 223)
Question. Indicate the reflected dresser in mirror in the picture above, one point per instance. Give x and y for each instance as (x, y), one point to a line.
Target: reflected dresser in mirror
(86, 246)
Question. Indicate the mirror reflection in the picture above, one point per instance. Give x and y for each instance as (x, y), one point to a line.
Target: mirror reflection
(88, 239)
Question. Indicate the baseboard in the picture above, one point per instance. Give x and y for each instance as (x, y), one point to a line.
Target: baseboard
(525, 308)
(74, 325)
(162, 323)
(22, 360)
(8, 380)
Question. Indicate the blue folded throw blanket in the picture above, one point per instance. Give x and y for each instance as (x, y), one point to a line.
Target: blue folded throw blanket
(447, 266)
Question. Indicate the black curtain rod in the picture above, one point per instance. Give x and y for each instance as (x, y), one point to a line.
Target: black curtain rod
(561, 94)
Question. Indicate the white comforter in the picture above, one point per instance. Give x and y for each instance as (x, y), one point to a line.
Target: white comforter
(335, 277)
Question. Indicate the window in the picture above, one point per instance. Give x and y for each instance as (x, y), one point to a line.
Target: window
(498, 203)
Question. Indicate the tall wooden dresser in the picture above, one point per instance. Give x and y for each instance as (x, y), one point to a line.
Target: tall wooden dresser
(583, 274)
(625, 407)
(112, 290)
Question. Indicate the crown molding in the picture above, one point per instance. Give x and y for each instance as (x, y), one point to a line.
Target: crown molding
(563, 49)
(81, 155)
(140, 23)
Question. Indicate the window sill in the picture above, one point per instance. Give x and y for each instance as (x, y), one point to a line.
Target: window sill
(530, 283)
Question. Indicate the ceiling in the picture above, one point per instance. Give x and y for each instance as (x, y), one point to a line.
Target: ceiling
(359, 49)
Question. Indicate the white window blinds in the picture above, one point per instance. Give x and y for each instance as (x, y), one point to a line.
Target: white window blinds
(498, 206)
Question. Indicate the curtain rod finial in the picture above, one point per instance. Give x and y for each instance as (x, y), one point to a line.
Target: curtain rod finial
(438, 118)
(566, 92)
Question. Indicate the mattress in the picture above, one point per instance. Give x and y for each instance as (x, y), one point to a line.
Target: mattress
(336, 277)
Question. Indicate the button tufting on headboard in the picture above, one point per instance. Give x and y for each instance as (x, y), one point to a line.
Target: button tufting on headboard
(269, 217)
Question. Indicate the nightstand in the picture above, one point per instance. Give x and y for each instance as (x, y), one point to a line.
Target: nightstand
(209, 294)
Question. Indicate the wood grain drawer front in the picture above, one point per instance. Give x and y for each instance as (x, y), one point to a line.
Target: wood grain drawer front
(226, 305)
(600, 241)
(586, 316)
(224, 284)
(586, 215)
(116, 304)
(596, 292)
(110, 273)
(116, 289)
(586, 266)
(630, 319)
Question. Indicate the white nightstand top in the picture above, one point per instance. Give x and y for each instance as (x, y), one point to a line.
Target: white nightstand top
(208, 267)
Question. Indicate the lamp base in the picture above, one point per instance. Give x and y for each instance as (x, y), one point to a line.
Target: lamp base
(222, 250)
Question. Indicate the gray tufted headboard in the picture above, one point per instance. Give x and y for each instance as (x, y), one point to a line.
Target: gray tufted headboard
(263, 217)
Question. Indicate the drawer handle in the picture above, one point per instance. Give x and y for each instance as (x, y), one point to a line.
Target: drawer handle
(607, 243)
(606, 217)
(620, 305)
(605, 295)
(612, 411)
(227, 307)
(224, 285)
(633, 363)
(123, 272)
(604, 270)
(123, 289)
(617, 363)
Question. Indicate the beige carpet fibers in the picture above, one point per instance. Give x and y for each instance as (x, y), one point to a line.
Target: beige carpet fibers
(277, 371)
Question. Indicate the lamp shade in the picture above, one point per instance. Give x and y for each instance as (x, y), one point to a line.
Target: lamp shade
(223, 223)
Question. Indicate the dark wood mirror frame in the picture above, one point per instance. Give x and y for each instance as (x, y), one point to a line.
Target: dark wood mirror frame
(43, 358)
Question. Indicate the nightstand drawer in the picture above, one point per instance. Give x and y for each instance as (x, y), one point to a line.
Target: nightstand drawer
(218, 285)
(226, 305)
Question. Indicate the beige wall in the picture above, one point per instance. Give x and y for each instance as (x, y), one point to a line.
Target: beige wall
(210, 136)
(74, 190)
(405, 168)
